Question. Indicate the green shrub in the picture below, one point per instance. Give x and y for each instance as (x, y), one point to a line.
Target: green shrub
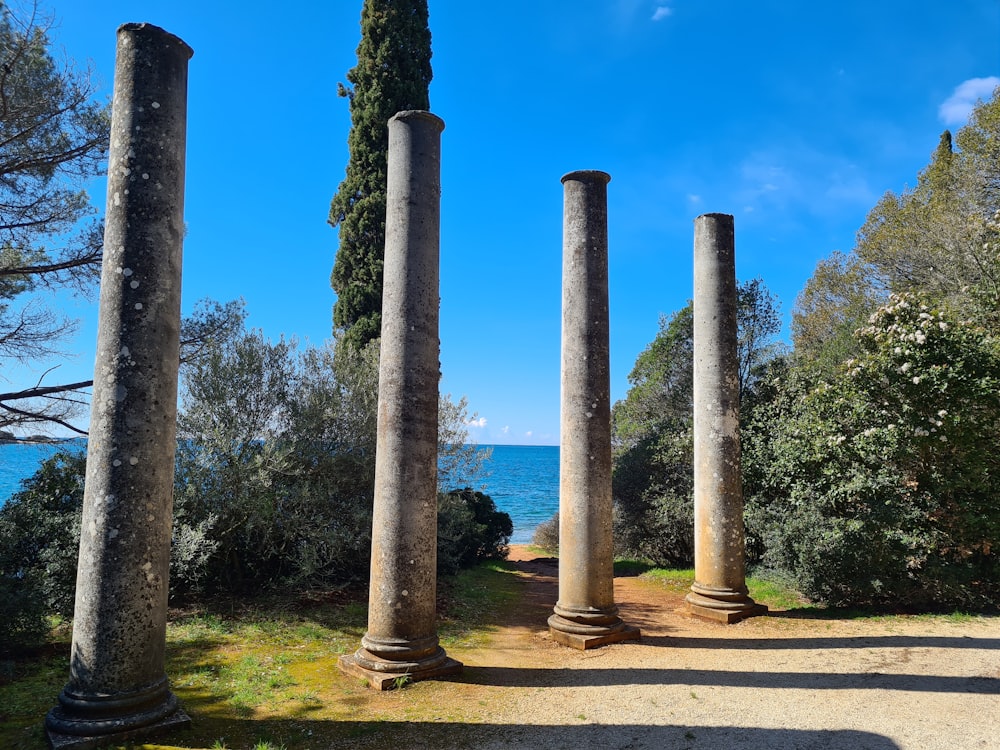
(39, 545)
(546, 534)
(470, 529)
(653, 490)
(881, 485)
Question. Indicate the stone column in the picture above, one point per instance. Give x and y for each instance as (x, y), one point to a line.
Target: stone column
(402, 641)
(719, 591)
(117, 687)
(585, 615)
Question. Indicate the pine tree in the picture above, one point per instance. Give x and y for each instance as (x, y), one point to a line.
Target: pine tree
(393, 74)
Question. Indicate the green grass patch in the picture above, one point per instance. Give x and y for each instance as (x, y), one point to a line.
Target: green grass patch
(473, 600)
(628, 568)
(777, 595)
(672, 578)
(262, 673)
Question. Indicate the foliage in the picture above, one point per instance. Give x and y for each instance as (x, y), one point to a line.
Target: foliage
(879, 486)
(274, 483)
(458, 460)
(39, 538)
(837, 298)
(662, 381)
(276, 466)
(940, 239)
(470, 529)
(653, 480)
(546, 534)
(276, 462)
(53, 138)
(393, 74)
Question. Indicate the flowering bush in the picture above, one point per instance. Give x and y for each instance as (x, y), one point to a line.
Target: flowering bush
(883, 484)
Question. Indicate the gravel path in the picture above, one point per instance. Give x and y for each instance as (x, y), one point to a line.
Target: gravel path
(780, 681)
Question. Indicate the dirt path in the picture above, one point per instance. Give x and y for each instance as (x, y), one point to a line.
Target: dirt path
(768, 682)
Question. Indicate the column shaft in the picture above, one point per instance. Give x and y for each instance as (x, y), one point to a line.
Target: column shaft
(719, 591)
(117, 687)
(402, 635)
(585, 615)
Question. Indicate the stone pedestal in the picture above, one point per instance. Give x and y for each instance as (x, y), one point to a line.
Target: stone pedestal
(719, 591)
(401, 643)
(585, 615)
(117, 688)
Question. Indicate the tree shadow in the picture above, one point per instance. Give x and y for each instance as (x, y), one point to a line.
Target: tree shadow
(529, 677)
(443, 736)
(815, 643)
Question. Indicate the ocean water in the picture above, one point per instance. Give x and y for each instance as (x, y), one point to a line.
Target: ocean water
(20, 460)
(522, 480)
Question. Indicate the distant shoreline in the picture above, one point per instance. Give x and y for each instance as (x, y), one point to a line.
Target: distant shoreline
(34, 440)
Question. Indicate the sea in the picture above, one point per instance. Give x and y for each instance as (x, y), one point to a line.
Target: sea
(523, 480)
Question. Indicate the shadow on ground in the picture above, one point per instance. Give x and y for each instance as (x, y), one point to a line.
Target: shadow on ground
(331, 735)
(514, 677)
(430, 735)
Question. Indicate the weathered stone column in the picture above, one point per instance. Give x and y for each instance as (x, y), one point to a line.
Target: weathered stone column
(402, 641)
(719, 591)
(585, 615)
(117, 687)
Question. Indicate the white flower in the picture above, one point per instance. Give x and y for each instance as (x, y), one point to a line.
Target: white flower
(943, 413)
(916, 380)
(919, 337)
(905, 367)
(943, 439)
(943, 326)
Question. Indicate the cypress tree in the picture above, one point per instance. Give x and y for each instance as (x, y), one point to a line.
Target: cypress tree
(393, 74)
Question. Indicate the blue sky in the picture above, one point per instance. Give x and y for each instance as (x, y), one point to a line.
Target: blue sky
(794, 117)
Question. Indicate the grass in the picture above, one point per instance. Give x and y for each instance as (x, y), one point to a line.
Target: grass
(263, 675)
(473, 600)
(781, 597)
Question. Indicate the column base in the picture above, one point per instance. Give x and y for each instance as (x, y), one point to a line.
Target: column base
(83, 721)
(722, 605)
(387, 662)
(584, 628)
(394, 675)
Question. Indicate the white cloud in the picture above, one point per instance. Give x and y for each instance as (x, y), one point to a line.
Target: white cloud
(956, 108)
(529, 433)
(799, 177)
(693, 199)
(481, 422)
(661, 12)
(506, 429)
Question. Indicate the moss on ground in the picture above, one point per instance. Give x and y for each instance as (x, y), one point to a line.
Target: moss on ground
(264, 675)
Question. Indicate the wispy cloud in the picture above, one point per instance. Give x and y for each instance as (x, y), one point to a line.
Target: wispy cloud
(956, 108)
(480, 422)
(661, 12)
(801, 178)
(505, 429)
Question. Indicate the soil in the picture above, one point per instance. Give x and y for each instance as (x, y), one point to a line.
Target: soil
(785, 680)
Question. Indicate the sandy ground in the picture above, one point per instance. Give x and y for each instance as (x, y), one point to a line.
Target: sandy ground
(779, 681)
